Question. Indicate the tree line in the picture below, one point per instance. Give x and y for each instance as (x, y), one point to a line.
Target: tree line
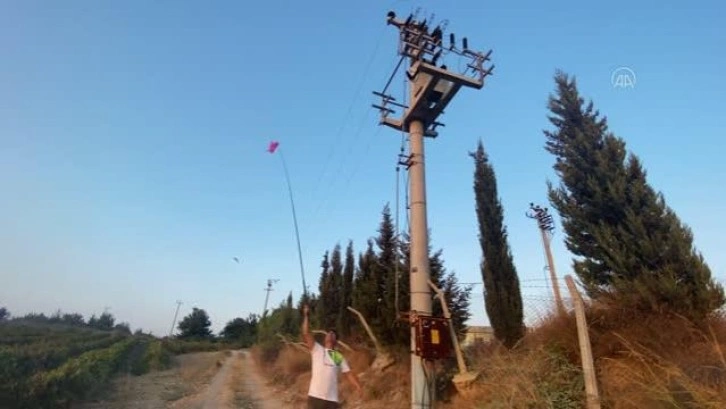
(366, 281)
(196, 326)
(104, 322)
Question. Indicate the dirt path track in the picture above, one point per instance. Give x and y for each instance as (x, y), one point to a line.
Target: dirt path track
(236, 385)
(206, 380)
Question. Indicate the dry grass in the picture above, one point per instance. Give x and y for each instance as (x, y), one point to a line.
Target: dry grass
(290, 371)
(642, 361)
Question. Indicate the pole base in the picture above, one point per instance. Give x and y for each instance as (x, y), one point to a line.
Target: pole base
(463, 382)
(382, 361)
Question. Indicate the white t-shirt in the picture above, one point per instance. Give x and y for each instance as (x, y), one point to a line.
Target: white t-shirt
(327, 363)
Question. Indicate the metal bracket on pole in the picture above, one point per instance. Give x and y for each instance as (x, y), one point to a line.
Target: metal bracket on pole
(546, 226)
(437, 84)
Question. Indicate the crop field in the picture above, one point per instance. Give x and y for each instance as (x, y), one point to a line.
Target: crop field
(47, 366)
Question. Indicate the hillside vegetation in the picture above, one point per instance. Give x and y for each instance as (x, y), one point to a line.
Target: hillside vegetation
(49, 365)
(642, 360)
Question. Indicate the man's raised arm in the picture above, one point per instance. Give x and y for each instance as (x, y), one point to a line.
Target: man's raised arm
(307, 337)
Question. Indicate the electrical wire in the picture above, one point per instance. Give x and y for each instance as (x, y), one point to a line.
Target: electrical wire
(356, 166)
(398, 236)
(398, 206)
(426, 383)
(356, 95)
(315, 192)
(429, 385)
(346, 163)
(408, 206)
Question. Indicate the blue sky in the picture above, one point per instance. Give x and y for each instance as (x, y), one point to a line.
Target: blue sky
(133, 135)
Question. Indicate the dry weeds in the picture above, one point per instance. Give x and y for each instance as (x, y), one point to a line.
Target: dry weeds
(642, 361)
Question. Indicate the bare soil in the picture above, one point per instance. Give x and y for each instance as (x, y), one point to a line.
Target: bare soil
(206, 380)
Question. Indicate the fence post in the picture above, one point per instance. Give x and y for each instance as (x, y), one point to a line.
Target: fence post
(588, 368)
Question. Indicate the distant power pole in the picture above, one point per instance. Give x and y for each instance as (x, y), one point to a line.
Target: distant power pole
(267, 296)
(431, 88)
(546, 227)
(173, 323)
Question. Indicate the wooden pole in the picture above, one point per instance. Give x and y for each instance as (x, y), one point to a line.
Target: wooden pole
(459, 356)
(368, 329)
(553, 273)
(588, 368)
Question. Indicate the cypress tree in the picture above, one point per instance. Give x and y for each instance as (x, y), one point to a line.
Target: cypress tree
(335, 284)
(502, 297)
(324, 304)
(386, 277)
(365, 297)
(346, 299)
(629, 243)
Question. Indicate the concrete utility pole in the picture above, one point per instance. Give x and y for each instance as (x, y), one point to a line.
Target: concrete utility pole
(546, 227)
(583, 336)
(432, 88)
(267, 296)
(173, 322)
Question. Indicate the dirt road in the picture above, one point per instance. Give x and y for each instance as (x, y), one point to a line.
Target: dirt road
(199, 381)
(254, 386)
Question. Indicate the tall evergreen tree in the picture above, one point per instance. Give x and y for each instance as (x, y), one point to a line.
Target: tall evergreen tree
(325, 305)
(290, 318)
(502, 296)
(335, 279)
(346, 298)
(629, 243)
(386, 242)
(365, 296)
(196, 325)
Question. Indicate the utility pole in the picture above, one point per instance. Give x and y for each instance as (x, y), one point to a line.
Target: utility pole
(267, 296)
(432, 87)
(546, 227)
(173, 323)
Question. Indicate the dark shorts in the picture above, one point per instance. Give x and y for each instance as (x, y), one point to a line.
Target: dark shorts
(315, 403)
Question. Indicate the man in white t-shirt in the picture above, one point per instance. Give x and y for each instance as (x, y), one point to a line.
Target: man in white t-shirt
(327, 363)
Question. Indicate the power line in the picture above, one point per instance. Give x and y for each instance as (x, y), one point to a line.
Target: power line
(356, 95)
(346, 162)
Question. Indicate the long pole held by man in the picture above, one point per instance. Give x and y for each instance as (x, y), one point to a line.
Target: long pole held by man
(272, 148)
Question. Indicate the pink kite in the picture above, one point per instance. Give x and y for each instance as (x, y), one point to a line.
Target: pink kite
(273, 146)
